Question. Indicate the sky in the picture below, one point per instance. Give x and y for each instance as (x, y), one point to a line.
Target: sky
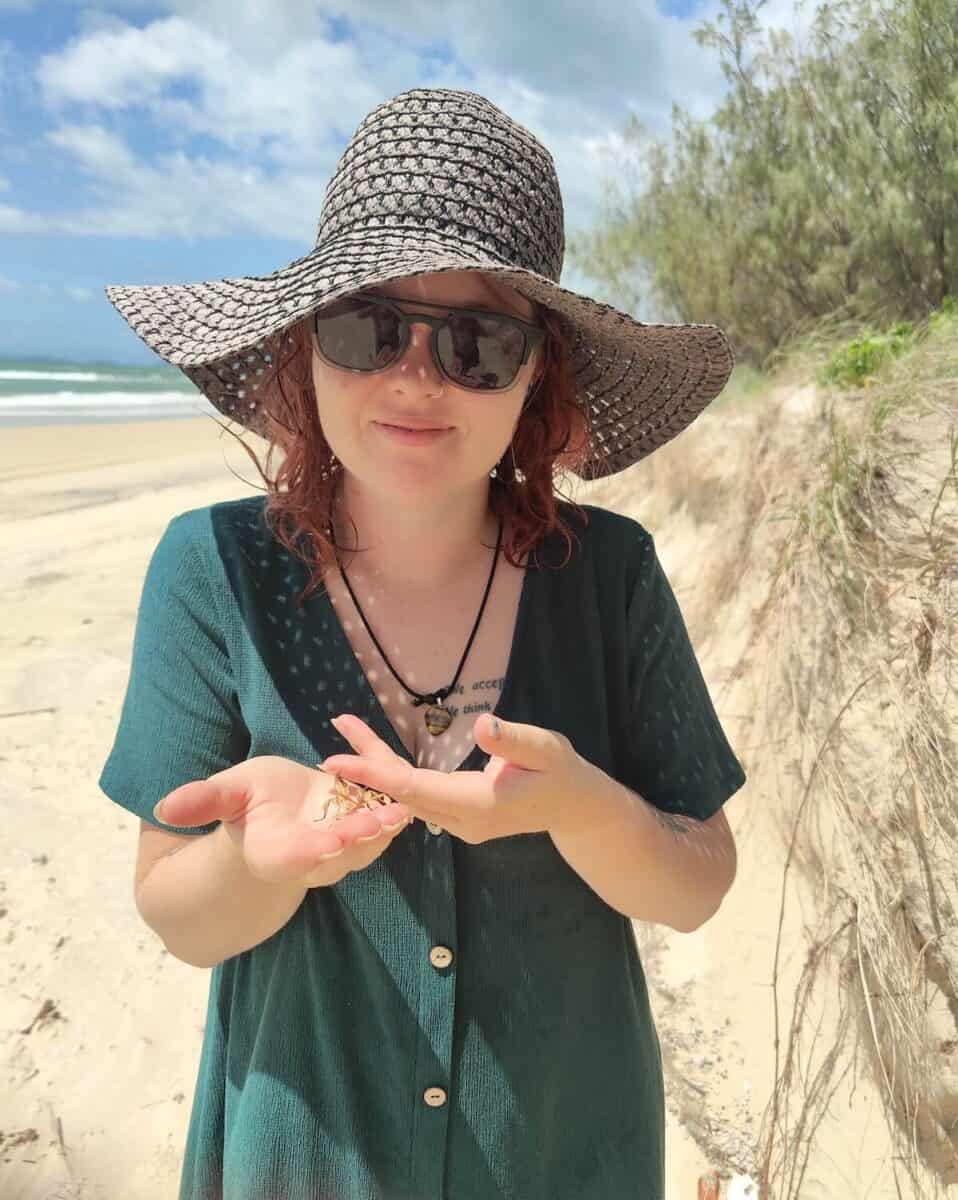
(181, 141)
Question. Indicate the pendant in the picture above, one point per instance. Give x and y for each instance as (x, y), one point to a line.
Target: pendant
(437, 719)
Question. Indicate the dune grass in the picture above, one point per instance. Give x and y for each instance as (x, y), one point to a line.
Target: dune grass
(862, 621)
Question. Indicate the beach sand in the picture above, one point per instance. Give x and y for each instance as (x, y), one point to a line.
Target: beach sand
(101, 1028)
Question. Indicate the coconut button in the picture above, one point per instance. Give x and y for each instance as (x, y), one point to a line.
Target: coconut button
(440, 956)
(434, 829)
(435, 1097)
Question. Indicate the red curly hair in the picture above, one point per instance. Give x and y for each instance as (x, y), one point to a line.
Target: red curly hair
(552, 436)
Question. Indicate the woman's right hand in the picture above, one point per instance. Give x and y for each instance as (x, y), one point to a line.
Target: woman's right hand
(270, 806)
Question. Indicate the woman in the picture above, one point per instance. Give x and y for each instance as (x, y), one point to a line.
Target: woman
(437, 994)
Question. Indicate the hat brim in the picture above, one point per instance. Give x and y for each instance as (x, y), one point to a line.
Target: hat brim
(639, 384)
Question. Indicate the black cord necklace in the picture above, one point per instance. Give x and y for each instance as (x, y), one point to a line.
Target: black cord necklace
(437, 718)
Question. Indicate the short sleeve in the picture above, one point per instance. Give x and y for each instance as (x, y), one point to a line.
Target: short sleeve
(180, 719)
(678, 756)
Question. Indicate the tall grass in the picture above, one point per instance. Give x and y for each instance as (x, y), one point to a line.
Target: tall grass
(862, 623)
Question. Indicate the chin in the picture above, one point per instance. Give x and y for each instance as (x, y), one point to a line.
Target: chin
(404, 479)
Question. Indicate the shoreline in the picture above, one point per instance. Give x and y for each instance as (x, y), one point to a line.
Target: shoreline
(70, 421)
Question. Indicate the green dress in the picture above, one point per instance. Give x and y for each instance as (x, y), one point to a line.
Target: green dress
(340, 1060)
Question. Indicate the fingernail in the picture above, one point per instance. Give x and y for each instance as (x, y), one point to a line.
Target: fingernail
(372, 837)
(398, 825)
(496, 728)
(335, 854)
(157, 810)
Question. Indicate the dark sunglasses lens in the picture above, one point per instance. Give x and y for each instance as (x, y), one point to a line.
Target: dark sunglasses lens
(481, 352)
(358, 334)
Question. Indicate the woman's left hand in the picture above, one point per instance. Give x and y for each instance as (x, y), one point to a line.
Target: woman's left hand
(534, 781)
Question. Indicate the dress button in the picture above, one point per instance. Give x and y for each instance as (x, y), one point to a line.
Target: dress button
(434, 829)
(435, 1097)
(440, 956)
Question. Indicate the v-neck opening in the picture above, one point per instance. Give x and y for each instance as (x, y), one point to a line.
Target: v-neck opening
(375, 707)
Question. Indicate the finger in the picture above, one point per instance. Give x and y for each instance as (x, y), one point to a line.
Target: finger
(225, 796)
(361, 737)
(528, 746)
(367, 822)
(355, 857)
(359, 850)
(432, 795)
(287, 850)
(291, 851)
(373, 773)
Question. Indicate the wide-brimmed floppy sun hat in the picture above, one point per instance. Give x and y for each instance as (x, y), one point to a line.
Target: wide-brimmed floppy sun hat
(439, 180)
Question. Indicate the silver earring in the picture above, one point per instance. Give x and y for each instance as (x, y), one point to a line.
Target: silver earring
(517, 475)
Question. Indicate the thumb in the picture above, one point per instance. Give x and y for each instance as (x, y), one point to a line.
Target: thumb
(223, 797)
(527, 746)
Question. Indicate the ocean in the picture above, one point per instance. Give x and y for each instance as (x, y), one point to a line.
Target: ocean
(36, 391)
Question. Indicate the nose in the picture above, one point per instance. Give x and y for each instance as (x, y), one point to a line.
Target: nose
(417, 365)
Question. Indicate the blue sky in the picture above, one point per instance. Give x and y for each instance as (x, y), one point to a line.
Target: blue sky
(174, 142)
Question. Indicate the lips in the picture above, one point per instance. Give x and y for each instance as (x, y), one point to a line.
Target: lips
(419, 435)
(413, 427)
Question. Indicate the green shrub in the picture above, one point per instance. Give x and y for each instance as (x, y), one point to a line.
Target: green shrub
(944, 315)
(852, 364)
(822, 185)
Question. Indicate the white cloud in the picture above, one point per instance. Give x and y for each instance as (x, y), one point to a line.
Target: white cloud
(95, 20)
(123, 65)
(82, 294)
(275, 94)
(604, 59)
(98, 151)
(291, 104)
(16, 220)
(182, 196)
(282, 120)
(4, 184)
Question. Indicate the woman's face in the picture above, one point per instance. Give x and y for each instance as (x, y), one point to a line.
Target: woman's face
(359, 413)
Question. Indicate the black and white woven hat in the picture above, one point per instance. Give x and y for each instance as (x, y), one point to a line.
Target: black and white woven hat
(439, 180)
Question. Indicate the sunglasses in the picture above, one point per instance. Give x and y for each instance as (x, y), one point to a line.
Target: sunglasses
(475, 349)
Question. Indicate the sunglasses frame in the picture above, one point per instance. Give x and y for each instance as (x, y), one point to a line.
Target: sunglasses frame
(533, 336)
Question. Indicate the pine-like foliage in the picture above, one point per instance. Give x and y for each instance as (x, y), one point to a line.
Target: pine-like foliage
(825, 183)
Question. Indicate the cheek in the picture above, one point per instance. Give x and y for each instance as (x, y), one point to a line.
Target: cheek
(335, 404)
(492, 421)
